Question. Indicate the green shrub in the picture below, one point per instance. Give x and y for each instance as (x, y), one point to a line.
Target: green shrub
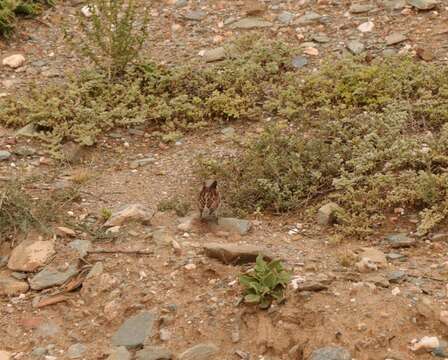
(265, 282)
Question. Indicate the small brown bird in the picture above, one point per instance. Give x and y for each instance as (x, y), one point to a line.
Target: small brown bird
(209, 199)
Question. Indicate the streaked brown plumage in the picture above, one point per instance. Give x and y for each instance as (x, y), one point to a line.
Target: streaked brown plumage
(209, 199)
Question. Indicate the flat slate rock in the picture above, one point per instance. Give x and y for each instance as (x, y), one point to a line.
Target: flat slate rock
(397, 241)
(52, 277)
(135, 330)
(235, 253)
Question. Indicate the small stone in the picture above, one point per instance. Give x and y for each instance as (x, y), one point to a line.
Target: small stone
(180, 3)
(443, 317)
(394, 4)
(366, 27)
(425, 344)
(360, 8)
(425, 307)
(228, 131)
(39, 352)
(234, 225)
(374, 255)
(65, 231)
(321, 38)
(309, 18)
(250, 23)
(397, 241)
(165, 335)
(88, 10)
(395, 256)
(377, 280)
(154, 353)
(327, 214)
(195, 15)
(200, 352)
(234, 253)
(216, 54)
(76, 351)
(14, 61)
(95, 271)
(81, 246)
(3, 261)
(299, 62)
(285, 17)
(331, 353)
(425, 53)
(19, 275)
(4, 155)
(5, 355)
(423, 4)
(52, 277)
(128, 213)
(355, 47)
(142, 162)
(25, 151)
(311, 286)
(396, 291)
(366, 265)
(135, 330)
(395, 38)
(162, 237)
(29, 256)
(120, 353)
(396, 277)
(29, 130)
(12, 287)
(312, 51)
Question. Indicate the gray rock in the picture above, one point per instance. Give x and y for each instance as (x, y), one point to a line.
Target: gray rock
(4, 155)
(81, 246)
(395, 256)
(309, 18)
(228, 131)
(135, 330)
(331, 353)
(142, 162)
(200, 352)
(52, 277)
(239, 226)
(285, 17)
(19, 275)
(3, 261)
(180, 3)
(234, 253)
(360, 8)
(154, 353)
(423, 4)
(355, 47)
(25, 151)
(436, 237)
(311, 286)
(320, 38)
(120, 353)
(128, 213)
(397, 241)
(327, 214)
(394, 4)
(216, 54)
(396, 277)
(195, 15)
(29, 130)
(377, 279)
(389, 52)
(299, 62)
(39, 352)
(76, 351)
(95, 271)
(395, 38)
(250, 23)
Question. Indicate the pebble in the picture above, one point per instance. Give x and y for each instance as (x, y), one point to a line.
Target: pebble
(299, 62)
(238, 226)
(228, 131)
(81, 246)
(397, 241)
(320, 38)
(423, 4)
(235, 253)
(331, 353)
(4, 155)
(128, 213)
(396, 277)
(366, 26)
(311, 51)
(360, 8)
(119, 353)
(165, 335)
(395, 256)
(326, 214)
(142, 162)
(76, 351)
(216, 54)
(308, 18)
(14, 61)
(195, 15)
(374, 255)
(154, 353)
(285, 17)
(29, 256)
(12, 287)
(86, 10)
(39, 352)
(200, 352)
(425, 344)
(395, 38)
(355, 47)
(180, 3)
(135, 330)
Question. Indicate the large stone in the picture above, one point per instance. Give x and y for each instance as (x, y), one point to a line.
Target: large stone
(308, 18)
(29, 256)
(128, 213)
(52, 277)
(216, 54)
(397, 241)
(120, 353)
(200, 352)
(285, 17)
(76, 351)
(331, 353)
(423, 4)
(135, 330)
(299, 62)
(234, 253)
(238, 226)
(360, 8)
(4, 155)
(14, 61)
(250, 23)
(12, 287)
(395, 38)
(327, 214)
(154, 353)
(195, 15)
(355, 47)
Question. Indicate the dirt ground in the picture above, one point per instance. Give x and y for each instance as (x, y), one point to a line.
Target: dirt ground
(361, 312)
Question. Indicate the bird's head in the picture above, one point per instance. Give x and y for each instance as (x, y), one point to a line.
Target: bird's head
(210, 184)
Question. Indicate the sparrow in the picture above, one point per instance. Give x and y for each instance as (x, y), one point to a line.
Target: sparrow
(209, 199)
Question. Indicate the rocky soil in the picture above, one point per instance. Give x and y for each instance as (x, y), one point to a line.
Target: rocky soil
(161, 286)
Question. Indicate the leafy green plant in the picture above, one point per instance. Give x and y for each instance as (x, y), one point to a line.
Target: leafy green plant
(114, 34)
(265, 282)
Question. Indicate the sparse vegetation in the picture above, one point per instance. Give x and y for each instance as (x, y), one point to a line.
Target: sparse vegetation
(265, 282)
(106, 214)
(180, 206)
(11, 9)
